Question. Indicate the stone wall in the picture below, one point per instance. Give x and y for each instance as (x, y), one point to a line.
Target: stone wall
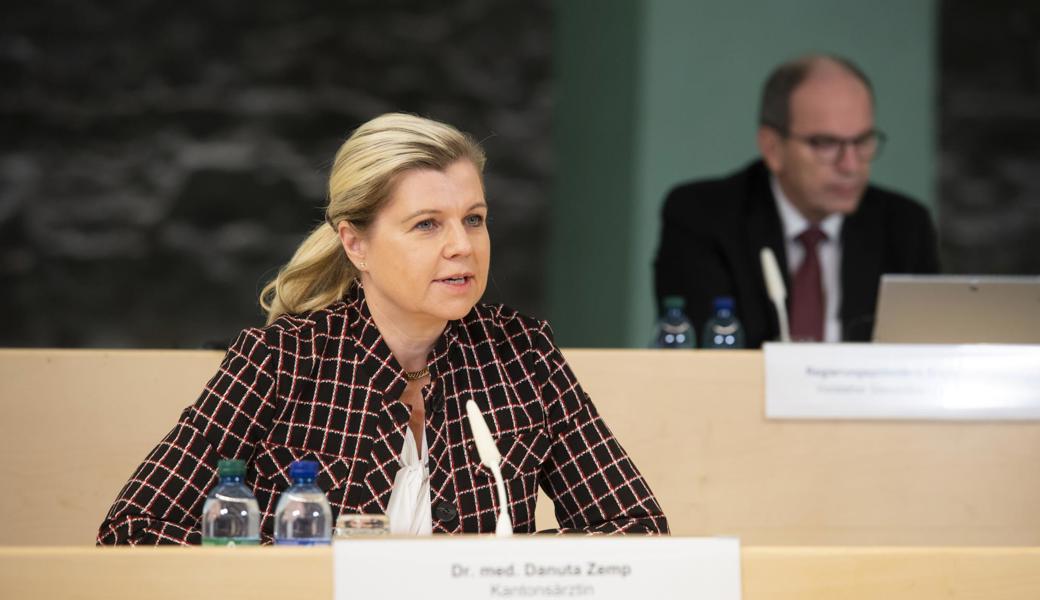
(160, 160)
(989, 122)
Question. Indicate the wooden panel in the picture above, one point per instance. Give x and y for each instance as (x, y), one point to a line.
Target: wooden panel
(694, 423)
(774, 573)
(165, 573)
(77, 423)
(870, 573)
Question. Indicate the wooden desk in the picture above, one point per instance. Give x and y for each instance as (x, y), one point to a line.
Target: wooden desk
(773, 573)
(77, 422)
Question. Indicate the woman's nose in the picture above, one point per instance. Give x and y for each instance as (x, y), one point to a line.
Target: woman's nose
(457, 242)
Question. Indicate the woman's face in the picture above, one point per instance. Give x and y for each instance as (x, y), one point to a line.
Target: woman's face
(424, 259)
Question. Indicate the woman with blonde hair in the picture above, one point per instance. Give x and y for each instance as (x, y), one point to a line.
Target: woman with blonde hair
(375, 340)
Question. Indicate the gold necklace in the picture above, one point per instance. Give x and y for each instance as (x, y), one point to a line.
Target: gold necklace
(417, 375)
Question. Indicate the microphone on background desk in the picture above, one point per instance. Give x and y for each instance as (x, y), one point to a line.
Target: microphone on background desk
(490, 457)
(776, 289)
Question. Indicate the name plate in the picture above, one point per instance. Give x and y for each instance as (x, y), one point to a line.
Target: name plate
(603, 567)
(902, 381)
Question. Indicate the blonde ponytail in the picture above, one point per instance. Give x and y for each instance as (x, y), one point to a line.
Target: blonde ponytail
(362, 178)
(317, 275)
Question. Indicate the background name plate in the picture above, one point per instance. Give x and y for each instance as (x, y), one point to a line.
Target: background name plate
(902, 381)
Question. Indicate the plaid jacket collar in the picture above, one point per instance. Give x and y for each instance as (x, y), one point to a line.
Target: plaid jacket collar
(374, 356)
(376, 363)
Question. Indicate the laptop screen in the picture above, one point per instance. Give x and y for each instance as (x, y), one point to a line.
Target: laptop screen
(958, 309)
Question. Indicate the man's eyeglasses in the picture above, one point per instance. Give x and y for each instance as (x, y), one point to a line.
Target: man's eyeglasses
(830, 149)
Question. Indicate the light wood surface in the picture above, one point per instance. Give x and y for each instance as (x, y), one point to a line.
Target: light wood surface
(874, 573)
(77, 422)
(165, 573)
(774, 573)
(694, 423)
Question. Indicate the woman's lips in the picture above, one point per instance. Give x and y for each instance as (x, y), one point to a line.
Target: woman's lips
(457, 281)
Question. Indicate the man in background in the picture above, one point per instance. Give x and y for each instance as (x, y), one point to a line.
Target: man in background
(808, 199)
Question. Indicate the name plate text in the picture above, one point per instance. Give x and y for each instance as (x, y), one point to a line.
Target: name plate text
(600, 568)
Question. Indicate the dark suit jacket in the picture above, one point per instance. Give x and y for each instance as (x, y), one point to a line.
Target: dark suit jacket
(324, 386)
(712, 232)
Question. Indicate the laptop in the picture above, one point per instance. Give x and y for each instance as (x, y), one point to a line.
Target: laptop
(958, 309)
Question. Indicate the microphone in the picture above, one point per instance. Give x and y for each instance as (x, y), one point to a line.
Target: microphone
(490, 457)
(776, 290)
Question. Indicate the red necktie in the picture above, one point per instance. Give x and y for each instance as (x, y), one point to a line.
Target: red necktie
(807, 297)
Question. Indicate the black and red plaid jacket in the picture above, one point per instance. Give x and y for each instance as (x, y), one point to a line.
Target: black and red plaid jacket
(324, 386)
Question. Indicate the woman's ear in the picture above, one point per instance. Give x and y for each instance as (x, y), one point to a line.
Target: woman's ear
(353, 244)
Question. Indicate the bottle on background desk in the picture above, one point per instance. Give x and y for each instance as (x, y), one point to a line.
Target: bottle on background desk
(723, 330)
(231, 515)
(303, 516)
(673, 329)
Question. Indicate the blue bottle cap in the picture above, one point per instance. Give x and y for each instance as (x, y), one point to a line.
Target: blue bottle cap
(303, 469)
(724, 303)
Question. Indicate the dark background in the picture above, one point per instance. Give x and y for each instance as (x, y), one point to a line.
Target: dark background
(989, 135)
(160, 160)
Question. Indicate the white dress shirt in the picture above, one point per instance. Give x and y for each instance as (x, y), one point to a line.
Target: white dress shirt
(829, 252)
(409, 505)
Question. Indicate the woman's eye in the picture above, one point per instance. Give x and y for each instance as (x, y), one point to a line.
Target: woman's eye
(425, 225)
(475, 220)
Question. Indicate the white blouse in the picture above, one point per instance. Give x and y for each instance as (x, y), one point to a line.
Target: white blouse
(409, 505)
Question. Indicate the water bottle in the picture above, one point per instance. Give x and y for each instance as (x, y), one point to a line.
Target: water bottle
(230, 515)
(723, 330)
(673, 328)
(303, 516)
